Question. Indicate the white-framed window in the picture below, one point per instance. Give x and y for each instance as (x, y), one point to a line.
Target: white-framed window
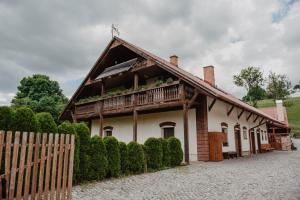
(167, 129)
(108, 130)
(224, 128)
(245, 135)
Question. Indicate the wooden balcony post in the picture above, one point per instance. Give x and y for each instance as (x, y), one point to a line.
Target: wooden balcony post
(135, 117)
(102, 88)
(186, 133)
(101, 118)
(136, 81)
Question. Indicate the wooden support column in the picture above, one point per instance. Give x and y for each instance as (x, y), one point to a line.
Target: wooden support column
(101, 119)
(135, 117)
(136, 81)
(73, 117)
(186, 133)
(102, 88)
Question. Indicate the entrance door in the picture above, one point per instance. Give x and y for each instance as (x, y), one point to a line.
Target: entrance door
(238, 143)
(258, 141)
(253, 147)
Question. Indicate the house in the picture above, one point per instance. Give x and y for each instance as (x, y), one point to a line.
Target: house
(279, 137)
(132, 94)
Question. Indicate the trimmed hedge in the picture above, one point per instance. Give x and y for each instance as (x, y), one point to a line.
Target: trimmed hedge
(166, 152)
(113, 156)
(176, 153)
(97, 159)
(47, 123)
(123, 157)
(68, 128)
(135, 157)
(83, 133)
(154, 153)
(6, 118)
(25, 120)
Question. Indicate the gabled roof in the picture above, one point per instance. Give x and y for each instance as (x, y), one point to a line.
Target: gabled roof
(184, 75)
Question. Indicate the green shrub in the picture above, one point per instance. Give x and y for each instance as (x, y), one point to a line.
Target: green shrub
(154, 153)
(176, 153)
(6, 118)
(47, 123)
(97, 159)
(68, 128)
(135, 157)
(113, 156)
(166, 152)
(25, 120)
(83, 133)
(123, 157)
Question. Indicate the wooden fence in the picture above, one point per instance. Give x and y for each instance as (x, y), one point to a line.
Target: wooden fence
(36, 166)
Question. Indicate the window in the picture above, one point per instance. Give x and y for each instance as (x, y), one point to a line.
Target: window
(168, 129)
(245, 133)
(108, 130)
(262, 135)
(224, 128)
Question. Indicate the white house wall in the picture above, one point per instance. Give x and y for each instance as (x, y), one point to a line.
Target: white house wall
(218, 114)
(148, 126)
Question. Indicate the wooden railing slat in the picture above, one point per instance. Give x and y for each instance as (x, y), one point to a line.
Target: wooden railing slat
(7, 159)
(42, 167)
(54, 166)
(60, 163)
(48, 166)
(14, 166)
(71, 164)
(65, 172)
(35, 165)
(28, 165)
(21, 166)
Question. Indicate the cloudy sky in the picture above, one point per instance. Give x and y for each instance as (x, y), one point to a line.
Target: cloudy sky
(63, 39)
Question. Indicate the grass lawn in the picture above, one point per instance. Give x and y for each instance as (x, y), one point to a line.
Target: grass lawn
(293, 110)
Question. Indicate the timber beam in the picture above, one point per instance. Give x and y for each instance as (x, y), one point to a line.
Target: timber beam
(239, 116)
(256, 119)
(186, 133)
(249, 116)
(230, 110)
(262, 119)
(212, 104)
(196, 93)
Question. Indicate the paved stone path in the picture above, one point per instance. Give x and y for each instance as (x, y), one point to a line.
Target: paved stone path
(274, 175)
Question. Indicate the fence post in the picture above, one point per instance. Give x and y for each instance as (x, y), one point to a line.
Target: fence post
(7, 160)
(35, 165)
(70, 177)
(21, 166)
(28, 165)
(13, 172)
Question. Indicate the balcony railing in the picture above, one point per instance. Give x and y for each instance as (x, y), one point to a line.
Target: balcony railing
(158, 95)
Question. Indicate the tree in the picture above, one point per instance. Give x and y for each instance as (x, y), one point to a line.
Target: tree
(251, 78)
(297, 86)
(6, 118)
(40, 94)
(176, 152)
(47, 123)
(279, 86)
(154, 153)
(25, 120)
(113, 156)
(123, 157)
(135, 157)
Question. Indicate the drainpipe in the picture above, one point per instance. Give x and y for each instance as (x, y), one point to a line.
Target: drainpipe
(249, 131)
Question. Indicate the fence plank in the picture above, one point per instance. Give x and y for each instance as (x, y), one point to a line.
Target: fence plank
(65, 172)
(7, 160)
(54, 166)
(28, 165)
(60, 163)
(70, 177)
(35, 165)
(21, 166)
(13, 171)
(1, 151)
(42, 167)
(48, 166)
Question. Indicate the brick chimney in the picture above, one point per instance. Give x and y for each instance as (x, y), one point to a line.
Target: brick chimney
(209, 74)
(174, 60)
(279, 110)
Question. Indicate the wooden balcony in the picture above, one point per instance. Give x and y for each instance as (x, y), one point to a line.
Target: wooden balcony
(165, 95)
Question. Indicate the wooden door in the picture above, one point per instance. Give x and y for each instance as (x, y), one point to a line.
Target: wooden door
(215, 146)
(253, 146)
(258, 141)
(238, 143)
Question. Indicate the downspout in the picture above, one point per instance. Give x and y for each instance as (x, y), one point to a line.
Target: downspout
(249, 131)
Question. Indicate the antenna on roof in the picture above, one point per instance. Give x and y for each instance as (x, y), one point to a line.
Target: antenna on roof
(114, 30)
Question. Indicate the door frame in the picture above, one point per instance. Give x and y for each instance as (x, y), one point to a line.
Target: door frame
(238, 143)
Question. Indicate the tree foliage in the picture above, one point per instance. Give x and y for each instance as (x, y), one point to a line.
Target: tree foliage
(113, 156)
(25, 120)
(46, 122)
(83, 133)
(97, 159)
(154, 153)
(40, 94)
(6, 118)
(279, 86)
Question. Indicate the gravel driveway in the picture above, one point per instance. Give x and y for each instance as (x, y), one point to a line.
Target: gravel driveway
(274, 175)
